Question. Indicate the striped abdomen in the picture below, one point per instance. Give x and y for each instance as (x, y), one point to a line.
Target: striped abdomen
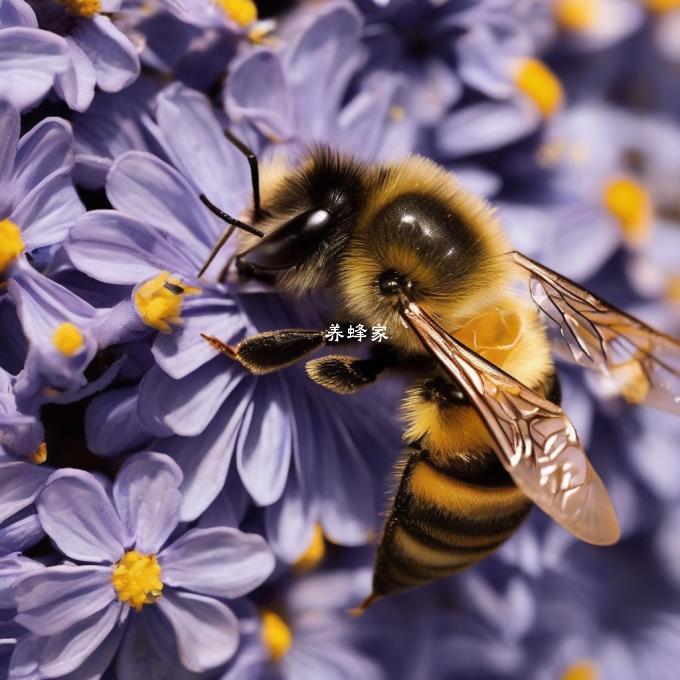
(445, 517)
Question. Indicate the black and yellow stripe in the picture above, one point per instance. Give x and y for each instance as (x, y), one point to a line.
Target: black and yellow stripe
(445, 518)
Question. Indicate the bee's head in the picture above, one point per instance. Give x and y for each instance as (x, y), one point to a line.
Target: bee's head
(308, 218)
(422, 235)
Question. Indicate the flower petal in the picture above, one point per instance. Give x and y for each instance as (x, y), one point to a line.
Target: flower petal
(147, 496)
(184, 351)
(47, 212)
(223, 562)
(155, 193)
(66, 652)
(257, 92)
(205, 459)
(29, 60)
(54, 599)
(17, 13)
(113, 56)
(76, 85)
(264, 446)
(43, 150)
(484, 127)
(115, 248)
(206, 630)
(290, 521)
(186, 406)
(78, 516)
(12, 568)
(20, 483)
(21, 532)
(9, 137)
(197, 146)
(111, 422)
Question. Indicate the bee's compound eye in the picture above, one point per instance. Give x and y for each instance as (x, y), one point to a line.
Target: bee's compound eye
(291, 243)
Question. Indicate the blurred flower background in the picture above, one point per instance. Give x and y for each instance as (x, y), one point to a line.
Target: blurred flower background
(164, 514)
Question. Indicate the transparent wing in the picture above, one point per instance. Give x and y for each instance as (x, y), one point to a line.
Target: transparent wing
(643, 362)
(534, 439)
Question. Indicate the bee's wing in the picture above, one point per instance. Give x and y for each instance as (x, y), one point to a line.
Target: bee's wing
(535, 441)
(643, 362)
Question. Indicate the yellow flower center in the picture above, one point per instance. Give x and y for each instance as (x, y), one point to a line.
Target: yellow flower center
(39, 456)
(314, 554)
(159, 301)
(11, 243)
(540, 85)
(67, 338)
(576, 15)
(631, 206)
(82, 8)
(241, 12)
(582, 670)
(276, 635)
(662, 6)
(137, 579)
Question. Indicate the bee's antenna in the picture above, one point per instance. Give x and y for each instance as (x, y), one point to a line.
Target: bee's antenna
(233, 224)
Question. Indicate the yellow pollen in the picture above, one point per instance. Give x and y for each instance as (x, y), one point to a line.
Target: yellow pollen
(11, 243)
(631, 206)
(576, 15)
(397, 113)
(582, 670)
(39, 456)
(137, 579)
(662, 6)
(241, 12)
(67, 338)
(314, 554)
(159, 301)
(673, 289)
(82, 8)
(540, 85)
(276, 635)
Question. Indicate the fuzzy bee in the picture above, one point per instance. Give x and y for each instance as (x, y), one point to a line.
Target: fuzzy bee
(404, 244)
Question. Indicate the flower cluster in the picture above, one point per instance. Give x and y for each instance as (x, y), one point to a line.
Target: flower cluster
(165, 513)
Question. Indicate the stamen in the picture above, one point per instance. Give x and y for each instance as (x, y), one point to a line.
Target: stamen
(39, 456)
(11, 243)
(576, 15)
(630, 204)
(314, 554)
(276, 635)
(540, 85)
(82, 8)
(137, 579)
(159, 301)
(582, 670)
(242, 12)
(67, 338)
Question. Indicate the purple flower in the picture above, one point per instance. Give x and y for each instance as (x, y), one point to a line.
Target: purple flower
(299, 93)
(30, 58)
(134, 579)
(97, 53)
(303, 632)
(38, 202)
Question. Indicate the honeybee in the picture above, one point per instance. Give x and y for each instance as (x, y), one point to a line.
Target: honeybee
(405, 245)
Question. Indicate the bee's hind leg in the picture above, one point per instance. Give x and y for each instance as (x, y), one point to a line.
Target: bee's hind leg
(344, 374)
(272, 350)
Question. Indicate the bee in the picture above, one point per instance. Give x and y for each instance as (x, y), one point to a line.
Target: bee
(405, 245)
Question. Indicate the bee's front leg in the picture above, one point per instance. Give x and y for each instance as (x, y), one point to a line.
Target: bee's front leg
(272, 350)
